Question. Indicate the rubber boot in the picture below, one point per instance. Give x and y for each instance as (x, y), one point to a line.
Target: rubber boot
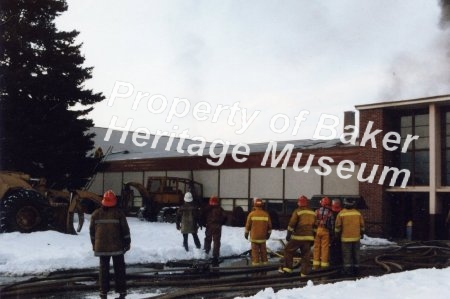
(215, 262)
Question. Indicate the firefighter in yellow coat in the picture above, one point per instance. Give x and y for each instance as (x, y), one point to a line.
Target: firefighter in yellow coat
(350, 228)
(300, 235)
(259, 228)
(325, 227)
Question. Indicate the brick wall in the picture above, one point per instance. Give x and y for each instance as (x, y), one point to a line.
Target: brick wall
(372, 192)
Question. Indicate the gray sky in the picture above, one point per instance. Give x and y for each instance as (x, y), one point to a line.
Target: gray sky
(275, 57)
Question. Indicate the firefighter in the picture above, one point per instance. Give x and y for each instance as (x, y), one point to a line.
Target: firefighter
(324, 227)
(335, 247)
(259, 227)
(300, 235)
(110, 237)
(188, 217)
(214, 217)
(350, 228)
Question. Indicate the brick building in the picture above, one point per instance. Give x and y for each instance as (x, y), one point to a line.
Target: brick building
(425, 199)
(354, 169)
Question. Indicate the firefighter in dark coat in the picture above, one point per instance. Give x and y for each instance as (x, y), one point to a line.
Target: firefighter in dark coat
(188, 218)
(335, 246)
(214, 217)
(110, 237)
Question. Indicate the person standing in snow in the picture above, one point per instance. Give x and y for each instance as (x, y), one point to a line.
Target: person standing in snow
(325, 226)
(336, 247)
(300, 235)
(214, 217)
(259, 227)
(349, 228)
(188, 217)
(110, 237)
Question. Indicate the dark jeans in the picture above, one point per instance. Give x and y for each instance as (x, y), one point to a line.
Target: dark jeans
(196, 241)
(350, 257)
(119, 274)
(336, 252)
(213, 234)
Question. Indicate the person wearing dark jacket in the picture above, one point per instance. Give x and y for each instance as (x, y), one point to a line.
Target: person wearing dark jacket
(335, 246)
(110, 237)
(214, 217)
(188, 217)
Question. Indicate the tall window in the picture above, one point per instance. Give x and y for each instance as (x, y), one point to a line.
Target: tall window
(417, 157)
(445, 148)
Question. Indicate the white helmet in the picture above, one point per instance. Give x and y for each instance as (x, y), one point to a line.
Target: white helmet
(188, 197)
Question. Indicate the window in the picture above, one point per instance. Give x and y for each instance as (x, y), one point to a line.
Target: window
(417, 157)
(445, 144)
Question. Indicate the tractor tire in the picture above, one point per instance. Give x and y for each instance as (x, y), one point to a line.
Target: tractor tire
(24, 211)
(167, 214)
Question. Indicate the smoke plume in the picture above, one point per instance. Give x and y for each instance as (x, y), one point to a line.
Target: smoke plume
(445, 13)
(416, 75)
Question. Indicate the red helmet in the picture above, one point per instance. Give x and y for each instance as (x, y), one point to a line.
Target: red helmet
(257, 202)
(325, 202)
(213, 201)
(109, 199)
(336, 205)
(302, 201)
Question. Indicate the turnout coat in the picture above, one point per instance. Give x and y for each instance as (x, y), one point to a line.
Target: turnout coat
(259, 225)
(109, 231)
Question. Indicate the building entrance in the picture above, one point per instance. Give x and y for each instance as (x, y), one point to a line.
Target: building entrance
(405, 207)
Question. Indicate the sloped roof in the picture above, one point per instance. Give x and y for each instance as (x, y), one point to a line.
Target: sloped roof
(117, 150)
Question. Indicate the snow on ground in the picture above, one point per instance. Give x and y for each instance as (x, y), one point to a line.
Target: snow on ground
(41, 252)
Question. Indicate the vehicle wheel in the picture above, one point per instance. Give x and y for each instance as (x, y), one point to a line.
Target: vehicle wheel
(24, 211)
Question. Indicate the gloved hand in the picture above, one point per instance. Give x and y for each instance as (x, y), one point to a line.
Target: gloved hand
(362, 235)
(288, 236)
(268, 236)
(126, 248)
(246, 235)
(178, 226)
(201, 227)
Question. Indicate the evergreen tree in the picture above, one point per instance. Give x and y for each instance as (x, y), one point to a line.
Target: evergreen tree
(41, 81)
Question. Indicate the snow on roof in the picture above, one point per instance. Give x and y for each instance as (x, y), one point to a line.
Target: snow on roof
(121, 145)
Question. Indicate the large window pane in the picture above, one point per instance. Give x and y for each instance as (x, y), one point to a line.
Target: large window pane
(422, 143)
(422, 131)
(446, 150)
(406, 121)
(421, 120)
(405, 131)
(417, 158)
(406, 157)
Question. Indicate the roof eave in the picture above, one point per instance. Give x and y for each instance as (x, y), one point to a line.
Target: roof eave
(404, 103)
